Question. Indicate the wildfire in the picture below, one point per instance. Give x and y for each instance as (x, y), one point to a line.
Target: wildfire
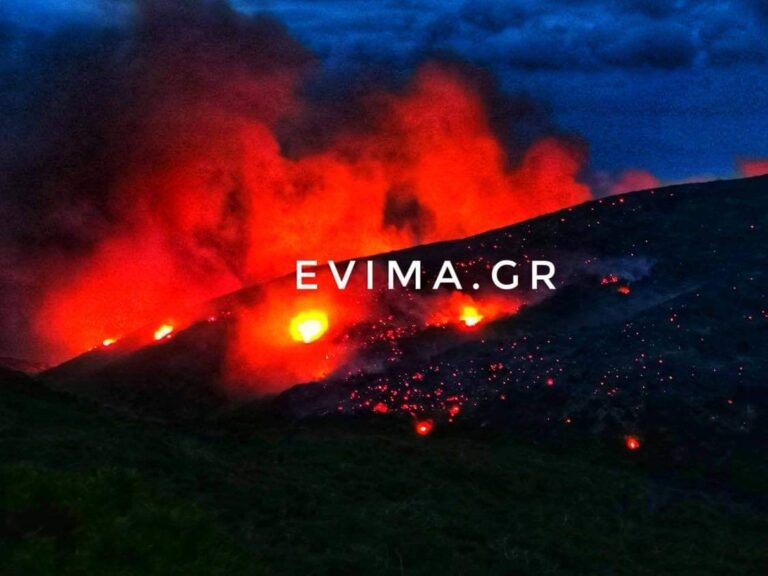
(184, 252)
(308, 326)
(424, 427)
(470, 316)
(163, 332)
(632, 442)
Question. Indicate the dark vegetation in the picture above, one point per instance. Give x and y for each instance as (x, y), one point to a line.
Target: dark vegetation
(88, 492)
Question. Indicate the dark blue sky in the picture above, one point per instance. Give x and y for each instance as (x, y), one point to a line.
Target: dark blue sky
(677, 87)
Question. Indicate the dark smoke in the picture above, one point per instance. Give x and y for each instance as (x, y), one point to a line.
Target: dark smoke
(89, 105)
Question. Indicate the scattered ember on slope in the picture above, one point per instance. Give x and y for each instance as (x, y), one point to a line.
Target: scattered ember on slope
(424, 427)
(380, 408)
(632, 442)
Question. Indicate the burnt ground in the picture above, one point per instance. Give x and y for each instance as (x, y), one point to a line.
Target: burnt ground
(680, 359)
(657, 329)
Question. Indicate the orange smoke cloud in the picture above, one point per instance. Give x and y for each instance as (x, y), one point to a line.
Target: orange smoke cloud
(633, 180)
(125, 284)
(428, 169)
(206, 200)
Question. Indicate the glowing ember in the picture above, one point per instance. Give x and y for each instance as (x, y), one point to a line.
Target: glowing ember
(308, 326)
(454, 410)
(108, 342)
(624, 290)
(163, 332)
(550, 381)
(470, 316)
(423, 427)
(380, 408)
(610, 279)
(632, 442)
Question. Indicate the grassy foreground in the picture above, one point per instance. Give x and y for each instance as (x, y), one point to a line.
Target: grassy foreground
(85, 492)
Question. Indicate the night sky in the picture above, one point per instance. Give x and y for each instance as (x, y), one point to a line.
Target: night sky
(675, 87)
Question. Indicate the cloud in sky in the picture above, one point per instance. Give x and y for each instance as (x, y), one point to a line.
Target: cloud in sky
(542, 33)
(582, 34)
(675, 86)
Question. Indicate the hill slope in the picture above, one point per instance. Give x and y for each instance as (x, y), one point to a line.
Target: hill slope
(88, 492)
(680, 358)
(313, 481)
(658, 328)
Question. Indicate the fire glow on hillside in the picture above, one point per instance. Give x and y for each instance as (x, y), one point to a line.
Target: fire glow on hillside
(213, 192)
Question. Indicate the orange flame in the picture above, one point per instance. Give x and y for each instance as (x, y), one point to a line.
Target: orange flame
(470, 316)
(423, 146)
(163, 331)
(468, 311)
(308, 326)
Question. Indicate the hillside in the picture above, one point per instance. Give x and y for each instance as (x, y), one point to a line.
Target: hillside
(657, 328)
(138, 458)
(85, 491)
(661, 329)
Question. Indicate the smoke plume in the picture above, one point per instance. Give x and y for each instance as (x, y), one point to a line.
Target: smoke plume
(193, 150)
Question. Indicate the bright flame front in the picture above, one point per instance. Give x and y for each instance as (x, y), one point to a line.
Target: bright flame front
(308, 326)
(163, 332)
(470, 316)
